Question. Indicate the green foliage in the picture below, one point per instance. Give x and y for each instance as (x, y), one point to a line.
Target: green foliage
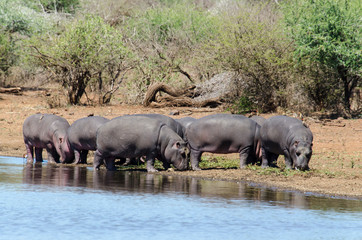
(242, 105)
(68, 6)
(17, 16)
(165, 39)
(88, 50)
(251, 43)
(328, 32)
(6, 51)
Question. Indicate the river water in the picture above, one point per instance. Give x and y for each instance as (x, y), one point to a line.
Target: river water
(44, 201)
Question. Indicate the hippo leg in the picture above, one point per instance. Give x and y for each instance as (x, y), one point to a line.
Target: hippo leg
(166, 165)
(244, 156)
(288, 160)
(109, 162)
(273, 160)
(150, 161)
(83, 156)
(30, 153)
(38, 154)
(98, 160)
(76, 156)
(265, 154)
(53, 156)
(195, 158)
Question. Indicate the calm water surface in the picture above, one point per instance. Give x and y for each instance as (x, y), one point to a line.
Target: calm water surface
(63, 202)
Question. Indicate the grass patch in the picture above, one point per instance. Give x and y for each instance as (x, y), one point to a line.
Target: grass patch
(209, 162)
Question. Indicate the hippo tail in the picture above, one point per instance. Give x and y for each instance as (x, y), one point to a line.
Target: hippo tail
(257, 143)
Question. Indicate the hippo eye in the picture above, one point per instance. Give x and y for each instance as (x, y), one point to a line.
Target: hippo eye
(298, 154)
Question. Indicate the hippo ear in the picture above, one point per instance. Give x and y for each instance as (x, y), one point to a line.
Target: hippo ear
(176, 145)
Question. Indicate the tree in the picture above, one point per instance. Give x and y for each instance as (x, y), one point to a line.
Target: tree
(88, 51)
(328, 32)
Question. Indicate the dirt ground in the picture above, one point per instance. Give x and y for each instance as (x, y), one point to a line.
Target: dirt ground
(336, 164)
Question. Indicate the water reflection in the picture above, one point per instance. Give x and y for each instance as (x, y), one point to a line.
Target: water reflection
(142, 182)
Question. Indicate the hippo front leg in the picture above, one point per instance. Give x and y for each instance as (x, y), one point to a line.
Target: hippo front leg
(109, 162)
(76, 156)
(288, 160)
(98, 160)
(53, 156)
(195, 158)
(150, 161)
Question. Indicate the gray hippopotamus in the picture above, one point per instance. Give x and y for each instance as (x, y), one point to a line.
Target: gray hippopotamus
(224, 133)
(258, 119)
(135, 136)
(282, 135)
(82, 136)
(185, 122)
(50, 132)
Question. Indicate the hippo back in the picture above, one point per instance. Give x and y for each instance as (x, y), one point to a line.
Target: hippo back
(128, 136)
(82, 133)
(222, 133)
(172, 123)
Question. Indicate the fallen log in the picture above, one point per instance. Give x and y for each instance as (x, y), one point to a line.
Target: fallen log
(14, 90)
(176, 97)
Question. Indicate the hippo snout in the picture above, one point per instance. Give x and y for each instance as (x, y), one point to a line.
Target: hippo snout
(302, 163)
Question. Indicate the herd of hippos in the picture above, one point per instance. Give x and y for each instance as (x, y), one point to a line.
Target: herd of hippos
(172, 141)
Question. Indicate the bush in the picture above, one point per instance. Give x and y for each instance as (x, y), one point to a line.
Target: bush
(165, 39)
(88, 51)
(328, 32)
(251, 43)
(6, 51)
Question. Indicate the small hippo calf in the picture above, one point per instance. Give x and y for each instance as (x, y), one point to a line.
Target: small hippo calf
(136, 136)
(82, 136)
(282, 135)
(224, 133)
(50, 132)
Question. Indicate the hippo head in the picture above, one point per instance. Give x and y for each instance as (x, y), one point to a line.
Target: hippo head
(64, 149)
(301, 152)
(176, 153)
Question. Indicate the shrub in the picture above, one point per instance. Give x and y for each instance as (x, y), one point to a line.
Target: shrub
(251, 43)
(328, 32)
(165, 39)
(88, 51)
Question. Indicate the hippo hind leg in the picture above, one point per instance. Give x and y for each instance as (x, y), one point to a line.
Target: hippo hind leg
(83, 156)
(268, 158)
(30, 153)
(245, 157)
(39, 154)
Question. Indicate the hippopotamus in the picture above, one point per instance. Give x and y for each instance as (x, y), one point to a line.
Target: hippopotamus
(224, 133)
(82, 135)
(172, 123)
(185, 122)
(50, 132)
(258, 119)
(282, 135)
(136, 136)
